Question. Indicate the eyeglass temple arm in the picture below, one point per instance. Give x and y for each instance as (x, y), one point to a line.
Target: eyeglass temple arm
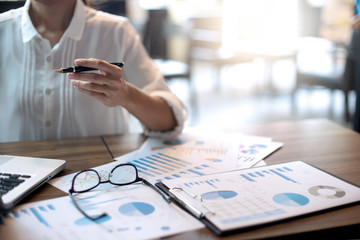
(167, 198)
(80, 210)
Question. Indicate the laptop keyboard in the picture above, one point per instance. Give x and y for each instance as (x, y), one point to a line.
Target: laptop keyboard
(9, 181)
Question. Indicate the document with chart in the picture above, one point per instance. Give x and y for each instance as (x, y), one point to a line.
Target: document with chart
(234, 200)
(134, 212)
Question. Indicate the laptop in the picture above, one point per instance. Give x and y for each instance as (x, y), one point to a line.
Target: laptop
(19, 176)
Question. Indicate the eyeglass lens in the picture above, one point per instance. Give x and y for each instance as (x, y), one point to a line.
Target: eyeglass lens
(123, 174)
(86, 180)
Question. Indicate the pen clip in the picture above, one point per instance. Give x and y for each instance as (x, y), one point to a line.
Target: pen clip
(195, 196)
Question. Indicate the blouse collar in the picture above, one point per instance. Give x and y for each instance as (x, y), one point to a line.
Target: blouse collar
(74, 30)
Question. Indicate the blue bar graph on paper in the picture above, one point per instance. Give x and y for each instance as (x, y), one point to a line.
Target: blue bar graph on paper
(280, 172)
(252, 175)
(210, 182)
(150, 168)
(160, 162)
(15, 214)
(173, 158)
(163, 166)
(196, 172)
(39, 214)
(282, 175)
(42, 208)
(247, 178)
(39, 217)
(87, 204)
(25, 211)
(51, 207)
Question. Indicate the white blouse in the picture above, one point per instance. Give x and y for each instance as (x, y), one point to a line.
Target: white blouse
(38, 103)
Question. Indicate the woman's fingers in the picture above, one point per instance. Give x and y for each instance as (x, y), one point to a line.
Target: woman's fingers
(103, 66)
(107, 86)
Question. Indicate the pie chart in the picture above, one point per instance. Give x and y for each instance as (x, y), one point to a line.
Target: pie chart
(216, 195)
(291, 199)
(328, 192)
(136, 209)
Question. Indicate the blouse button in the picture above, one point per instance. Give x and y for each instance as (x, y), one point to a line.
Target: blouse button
(48, 91)
(48, 58)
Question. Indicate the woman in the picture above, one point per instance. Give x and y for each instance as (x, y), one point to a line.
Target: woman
(39, 103)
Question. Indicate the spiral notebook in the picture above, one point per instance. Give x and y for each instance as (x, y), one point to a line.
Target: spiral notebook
(232, 201)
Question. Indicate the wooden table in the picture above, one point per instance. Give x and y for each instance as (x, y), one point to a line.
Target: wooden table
(319, 142)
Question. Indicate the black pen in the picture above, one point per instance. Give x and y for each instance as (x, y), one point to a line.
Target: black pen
(75, 69)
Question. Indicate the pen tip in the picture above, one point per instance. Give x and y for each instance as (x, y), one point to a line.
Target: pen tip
(57, 70)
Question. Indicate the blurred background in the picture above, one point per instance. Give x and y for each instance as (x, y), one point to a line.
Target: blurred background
(240, 62)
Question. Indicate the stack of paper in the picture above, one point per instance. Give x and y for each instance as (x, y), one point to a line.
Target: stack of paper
(136, 211)
(199, 153)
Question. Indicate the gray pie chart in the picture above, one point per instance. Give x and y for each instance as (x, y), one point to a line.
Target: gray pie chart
(327, 192)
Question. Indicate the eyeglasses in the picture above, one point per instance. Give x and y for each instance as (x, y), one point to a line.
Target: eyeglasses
(120, 175)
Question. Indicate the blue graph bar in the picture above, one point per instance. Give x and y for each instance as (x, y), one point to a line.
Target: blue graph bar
(252, 175)
(140, 169)
(162, 163)
(42, 208)
(87, 205)
(215, 180)
(154, 165)
(196, 172)
(35, 212)
(208, 182)
(25, 211)
(170, 162)
(176, 159)
(39, 217)
(247, 178)
(15, 214)
(282, 175)
(147, 165)
(278, 171)
(51, 207)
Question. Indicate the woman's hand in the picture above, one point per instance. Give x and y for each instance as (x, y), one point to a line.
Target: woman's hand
(108, 85)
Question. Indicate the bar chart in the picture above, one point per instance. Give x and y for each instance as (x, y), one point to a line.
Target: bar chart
(264, 194)
(160, 166)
